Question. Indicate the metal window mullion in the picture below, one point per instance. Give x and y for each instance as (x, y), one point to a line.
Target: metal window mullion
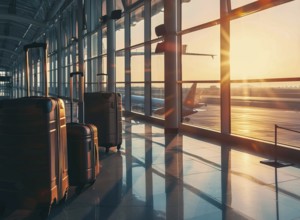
(127, 62)
(111, 48)
(225, 67)
(147, 62)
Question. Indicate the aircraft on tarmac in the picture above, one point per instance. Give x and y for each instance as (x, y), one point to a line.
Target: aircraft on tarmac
(189, 105)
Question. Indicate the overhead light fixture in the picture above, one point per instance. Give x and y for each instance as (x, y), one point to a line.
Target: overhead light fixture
(115, 15)
(103, 19)
(74, 39)
(160, 30)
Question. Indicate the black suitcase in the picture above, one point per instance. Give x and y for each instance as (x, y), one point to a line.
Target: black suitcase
(104, 110)
(82, 148)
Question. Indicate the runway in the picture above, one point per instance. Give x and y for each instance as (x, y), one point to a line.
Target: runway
(254, 122)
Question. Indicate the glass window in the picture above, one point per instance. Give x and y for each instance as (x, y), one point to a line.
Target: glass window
(201, 55)
(137, 79)
(266, 44)
(239, 3)
(158, 76)
(201, 62)
(199, 11)
(137, 64)
(120, 67)
(120, 34)
(94, 43)
(137, 26)
(157, 16)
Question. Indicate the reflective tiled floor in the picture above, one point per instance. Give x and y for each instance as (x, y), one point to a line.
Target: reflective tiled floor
(157, 176)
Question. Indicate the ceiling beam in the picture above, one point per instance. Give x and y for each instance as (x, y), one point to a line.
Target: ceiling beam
(9, 51)
(14, 38)
(21, 19)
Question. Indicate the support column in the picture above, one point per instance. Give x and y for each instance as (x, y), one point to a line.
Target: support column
(80, 58)
(88, 73)
(225, 69)
(147, 31)
(111, 48)
(172, 74)
(59, 58)
(127, 63)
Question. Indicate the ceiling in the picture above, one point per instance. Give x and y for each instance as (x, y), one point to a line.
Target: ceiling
(21, 21)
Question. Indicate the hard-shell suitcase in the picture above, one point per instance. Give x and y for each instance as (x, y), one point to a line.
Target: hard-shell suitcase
(103, 109)
(82, 153)
(33, 152)
(82, 147)
(33, 149)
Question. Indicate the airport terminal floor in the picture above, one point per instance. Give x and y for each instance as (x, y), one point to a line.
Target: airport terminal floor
(165, 176)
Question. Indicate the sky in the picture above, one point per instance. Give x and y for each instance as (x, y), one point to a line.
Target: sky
(263, 45)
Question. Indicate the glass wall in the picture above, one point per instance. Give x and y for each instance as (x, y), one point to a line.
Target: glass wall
(199, 12)
(261, 44)
(157, 63)
(201, 65)
(265, 61)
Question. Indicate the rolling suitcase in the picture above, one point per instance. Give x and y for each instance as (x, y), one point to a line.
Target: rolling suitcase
(103, 109)
(83, 155)
(33, 150)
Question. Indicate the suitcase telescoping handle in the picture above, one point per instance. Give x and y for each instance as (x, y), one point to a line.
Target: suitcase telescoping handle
(26, 48)
(81, 93)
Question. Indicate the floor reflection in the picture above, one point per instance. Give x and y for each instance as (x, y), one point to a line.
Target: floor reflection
(158, 176)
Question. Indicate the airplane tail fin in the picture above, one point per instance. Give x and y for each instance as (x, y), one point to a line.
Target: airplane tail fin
(189, 100)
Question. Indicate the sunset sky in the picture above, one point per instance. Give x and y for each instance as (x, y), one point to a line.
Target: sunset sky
(263, 45)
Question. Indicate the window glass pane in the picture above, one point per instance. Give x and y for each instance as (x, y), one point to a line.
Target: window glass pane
(266, 44)
(270, 103)
(137, 97)
(137, 64)
(157, 16)
(120, 34)
(201, 55)
(102, 79)
(94, 69)
(94, 43)
(137, 26)
(196, 12)
(120, 67)
(239, 3)
(157, 73)
(201, 61)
